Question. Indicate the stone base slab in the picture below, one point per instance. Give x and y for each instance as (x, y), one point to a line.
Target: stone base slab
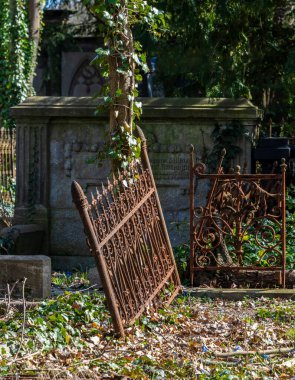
(70, 263)
(239, 294)
(26, 238)
(35, 268)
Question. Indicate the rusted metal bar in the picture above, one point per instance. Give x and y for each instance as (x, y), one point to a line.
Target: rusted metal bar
(283, 232)
(242, 176)
(238, 268)
(207, 208)
(192, 200)
(7, 162)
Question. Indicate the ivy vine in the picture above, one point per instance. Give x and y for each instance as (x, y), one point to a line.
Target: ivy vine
(16, 52)
(226, 136)
(121, 62)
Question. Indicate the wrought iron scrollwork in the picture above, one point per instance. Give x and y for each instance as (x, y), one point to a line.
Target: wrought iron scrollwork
(239, 208)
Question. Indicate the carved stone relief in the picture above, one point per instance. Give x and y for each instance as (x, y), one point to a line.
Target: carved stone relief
(170, 162)
(77, 150)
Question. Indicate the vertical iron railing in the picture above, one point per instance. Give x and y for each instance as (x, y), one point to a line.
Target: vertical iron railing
(7, 162)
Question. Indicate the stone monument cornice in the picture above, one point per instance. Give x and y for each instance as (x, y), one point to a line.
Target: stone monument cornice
(153, 108)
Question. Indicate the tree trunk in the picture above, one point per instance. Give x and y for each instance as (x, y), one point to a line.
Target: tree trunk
(121, 83)
(34, 11)
(120, 113)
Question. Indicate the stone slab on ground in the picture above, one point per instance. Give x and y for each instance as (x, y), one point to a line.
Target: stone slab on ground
(70, 263)
(94, 278)
(245, 279)
(27, 238)
(239, 294)
(35, 268)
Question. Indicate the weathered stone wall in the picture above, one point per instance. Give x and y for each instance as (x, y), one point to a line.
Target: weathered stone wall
(58, 137)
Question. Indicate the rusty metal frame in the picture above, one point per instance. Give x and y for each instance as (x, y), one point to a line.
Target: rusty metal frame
(7, 161)
(238, 205)
(127, 235)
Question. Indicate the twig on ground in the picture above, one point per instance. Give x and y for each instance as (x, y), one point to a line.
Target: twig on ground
(216, 362)
(70, 292)
(19, 304)
(84, 361)
(24, 319)
(28, 356)
(8, 295)
(85, 290)
(283, 350)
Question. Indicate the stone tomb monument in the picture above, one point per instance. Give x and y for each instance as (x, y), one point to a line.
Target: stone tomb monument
(58, 138)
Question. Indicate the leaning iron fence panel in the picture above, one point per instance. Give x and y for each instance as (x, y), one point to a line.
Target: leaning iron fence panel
(126, 233)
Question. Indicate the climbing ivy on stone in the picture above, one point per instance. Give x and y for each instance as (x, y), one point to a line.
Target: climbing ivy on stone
(16, 52)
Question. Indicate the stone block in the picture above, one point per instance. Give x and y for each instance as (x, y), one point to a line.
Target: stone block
(71, 262)
(239, 294)
(26, 238)
(35, 268)
(94, 278)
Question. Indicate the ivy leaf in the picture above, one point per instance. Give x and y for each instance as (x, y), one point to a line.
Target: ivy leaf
(118, 92)
(136, 58)
(121, 71)
(107, 99)
(102, 52)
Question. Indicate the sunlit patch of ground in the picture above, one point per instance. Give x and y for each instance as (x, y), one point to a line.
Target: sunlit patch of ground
(72, 335)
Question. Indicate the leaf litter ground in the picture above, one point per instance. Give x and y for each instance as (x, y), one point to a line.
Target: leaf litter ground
(71, 336)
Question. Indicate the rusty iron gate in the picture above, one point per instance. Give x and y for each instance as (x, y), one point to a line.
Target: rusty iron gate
(241, 211)
(126, 233)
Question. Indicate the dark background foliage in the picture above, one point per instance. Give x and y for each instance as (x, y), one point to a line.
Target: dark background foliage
(228, 48)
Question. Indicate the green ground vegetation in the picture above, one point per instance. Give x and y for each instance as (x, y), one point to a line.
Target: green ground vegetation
(72, 334)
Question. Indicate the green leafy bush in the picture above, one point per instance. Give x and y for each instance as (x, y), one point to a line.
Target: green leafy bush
(181, 254)
(252, 251)
(290, 223)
